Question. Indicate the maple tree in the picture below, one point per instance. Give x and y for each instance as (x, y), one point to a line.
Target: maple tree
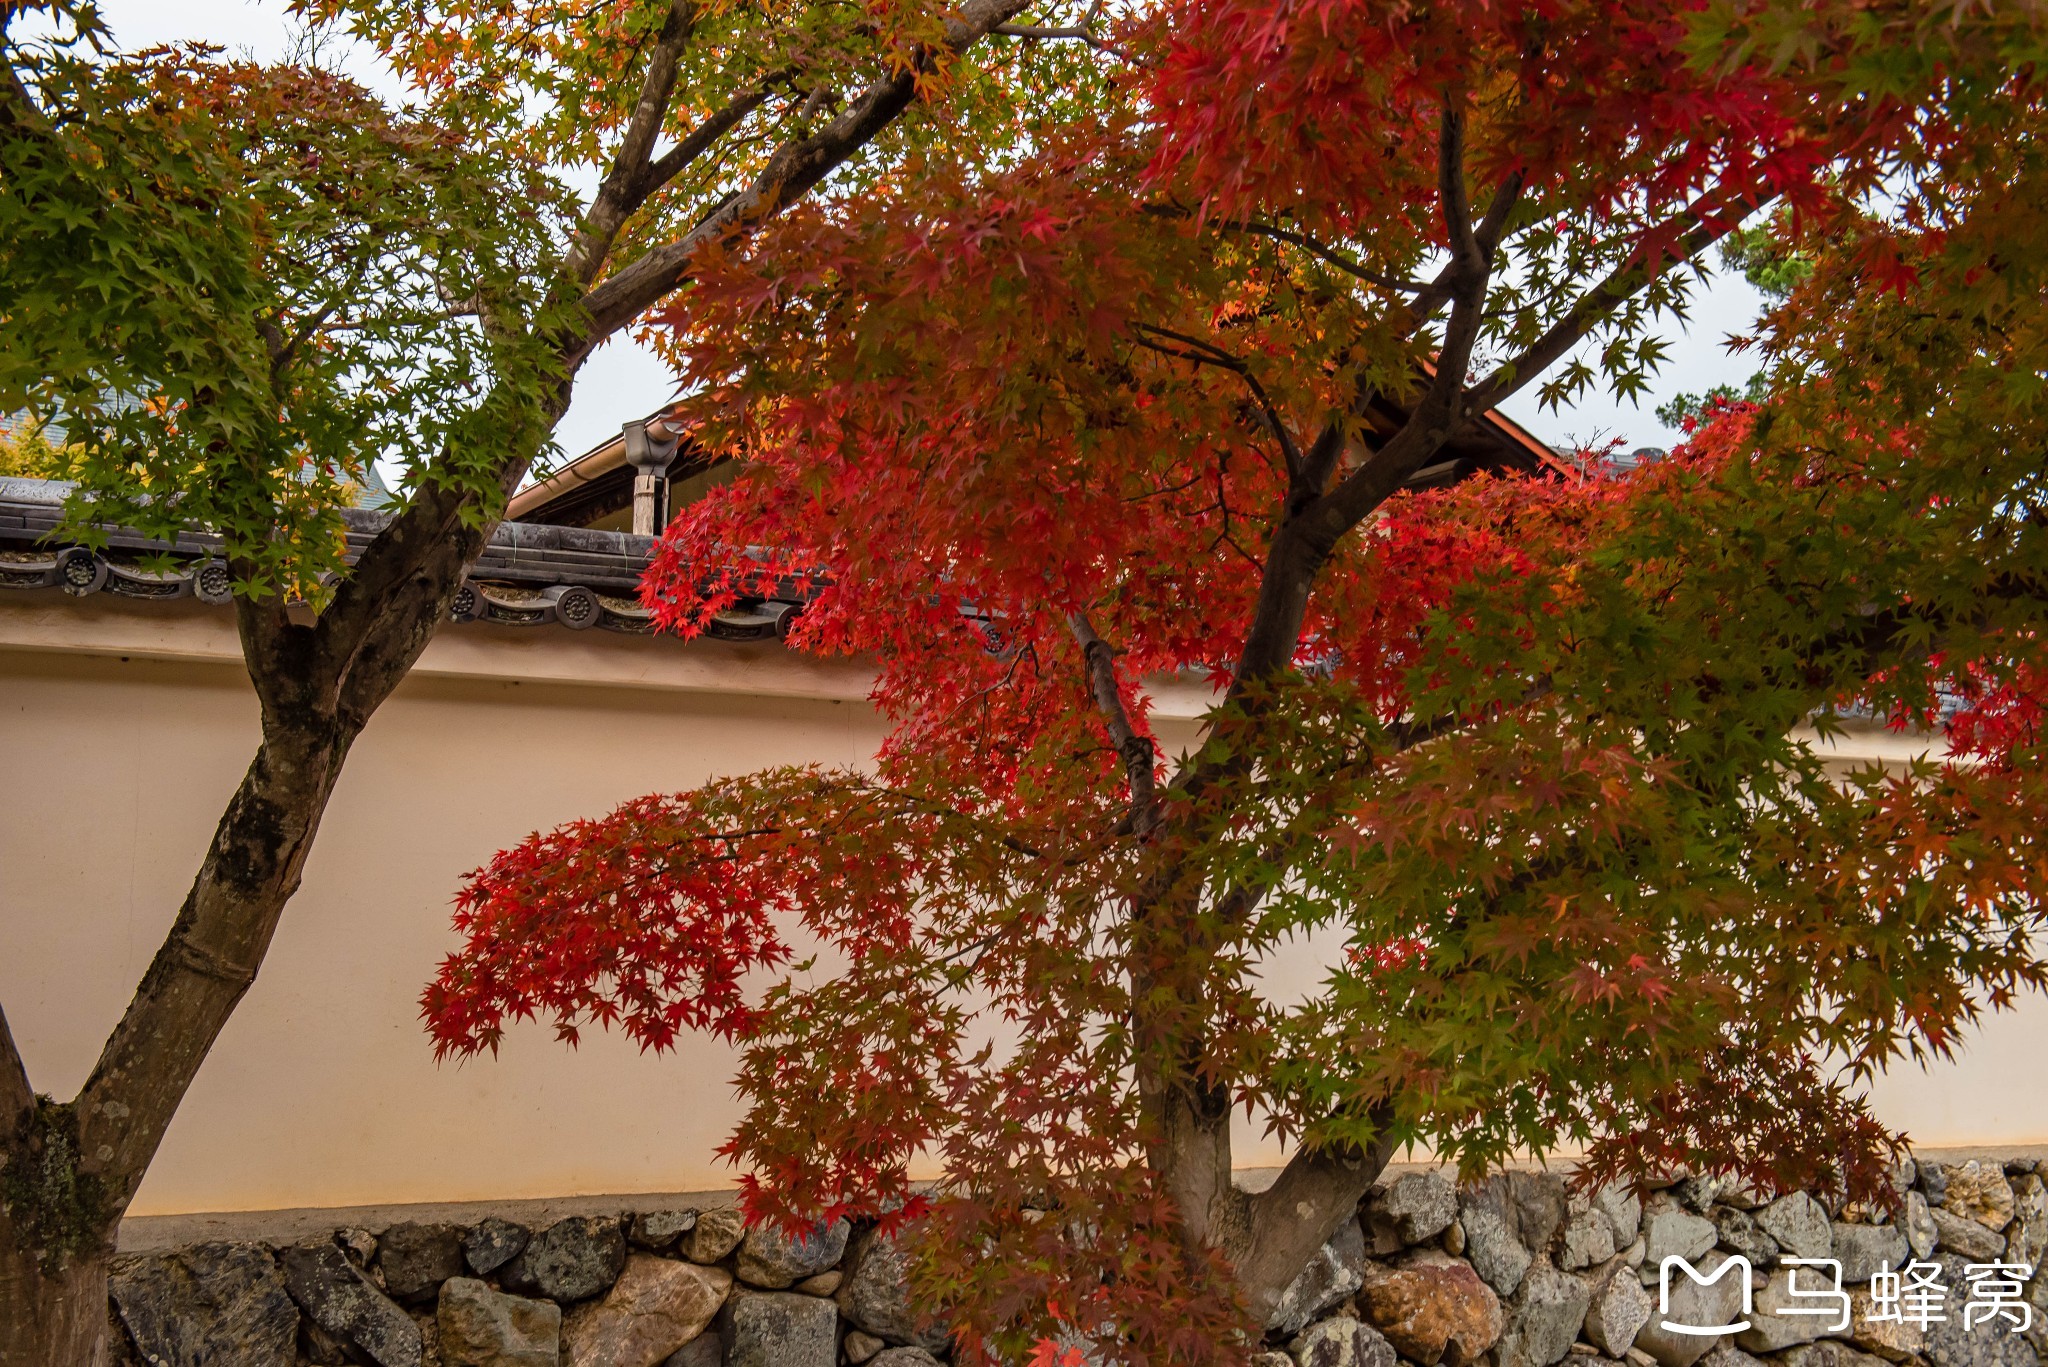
(1541, 761)
(238, 283)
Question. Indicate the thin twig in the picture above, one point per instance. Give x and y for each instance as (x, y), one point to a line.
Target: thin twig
(1210, 354)
(1322, 251)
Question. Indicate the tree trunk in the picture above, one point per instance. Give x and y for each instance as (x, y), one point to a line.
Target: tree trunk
(1288, 1222)
(53, 1319)
(56, 1241)
(71, 1169)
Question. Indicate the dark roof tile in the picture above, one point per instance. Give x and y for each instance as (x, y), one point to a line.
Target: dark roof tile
(528, 574)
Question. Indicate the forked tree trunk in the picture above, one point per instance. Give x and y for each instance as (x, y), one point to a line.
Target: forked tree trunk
(70, 1170)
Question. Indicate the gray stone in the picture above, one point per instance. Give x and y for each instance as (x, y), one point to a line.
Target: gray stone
(1799, 1225)
(360, 1245)
(1866, 1250)
(1771, 1328)
(780, 1329)
(1341, 1343)
(334, 1294)
(1918, 1224)
(658, 1230)
(2026, 1239)
(824, 1284)
(416, 1259)
(656, 1306)
(1588, 1239)
(716, 1234)
(479, 1327)
(223, 1303)
(2037, 1296)
(860, 1346)
(1616, 1311)
(1507, 1221)
(769, 1258)
(1896, 1340)
(570, 1260)
(1544, 1316)
(1270, 1360)
(905, 1357)
(1540, 1207)
(1739, 1232)
(1726, 1354)
(1948, 1345)
(1704, 1304)
(1337, 1270)
(492, 1244)
(1959, 1234)
(1980, 1192)
(1933, 1180)
(1493, 1242)
(1698, 1194)
(876, 1295)
(1741, 1197)
(1412, 1209)
(1985, 1344)
(1828, 1353)
(1623, 1209)
(705, 1350)
(1669, 1231)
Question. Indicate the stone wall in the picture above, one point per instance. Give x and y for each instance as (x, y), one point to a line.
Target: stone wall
(1515, 1272)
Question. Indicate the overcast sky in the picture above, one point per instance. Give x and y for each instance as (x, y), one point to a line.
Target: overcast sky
(623, 381)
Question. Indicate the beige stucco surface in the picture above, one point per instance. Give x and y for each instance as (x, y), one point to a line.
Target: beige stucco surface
(124, 728)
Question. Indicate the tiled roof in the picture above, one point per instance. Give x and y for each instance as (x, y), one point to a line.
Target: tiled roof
(528, 575)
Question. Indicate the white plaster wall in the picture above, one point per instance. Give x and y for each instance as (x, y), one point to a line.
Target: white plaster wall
(124, 729)
(323, 1090)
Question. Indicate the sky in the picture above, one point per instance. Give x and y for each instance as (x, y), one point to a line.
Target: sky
(623, 380)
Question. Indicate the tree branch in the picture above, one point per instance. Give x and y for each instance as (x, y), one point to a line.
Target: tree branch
(19, 112)
(798, 166)
(1139, 762)
(1076, 33)
(1600, 303)
(1505, 197)
(1444, 403)
(1412, 732)
(1313, 528)
(624, 189)
(698, 140)
(1034, 31)
(1327, 254)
